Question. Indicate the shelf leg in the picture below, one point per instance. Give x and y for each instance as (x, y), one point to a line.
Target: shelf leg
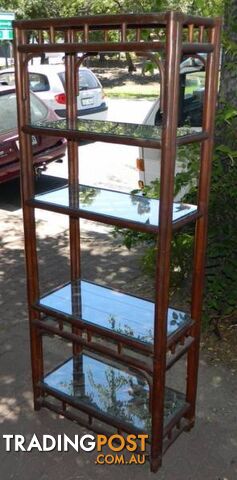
(155, 464)
(37, 364)
(168, 157)
(202, 223)
(27, 192)
(72, 87)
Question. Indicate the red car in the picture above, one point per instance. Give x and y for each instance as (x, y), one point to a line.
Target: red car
(45, 149)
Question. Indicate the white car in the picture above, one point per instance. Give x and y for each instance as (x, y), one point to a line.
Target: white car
(190, 115)
(48, 82)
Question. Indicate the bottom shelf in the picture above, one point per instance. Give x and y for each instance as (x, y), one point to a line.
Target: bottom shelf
(112, 393)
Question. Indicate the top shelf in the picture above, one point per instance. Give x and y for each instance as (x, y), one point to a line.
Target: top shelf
(130, 33)
(110, 22)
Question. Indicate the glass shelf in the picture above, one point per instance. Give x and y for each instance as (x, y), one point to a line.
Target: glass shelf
(108, 309)
(109, 206)
(118, 393)
(112, 132)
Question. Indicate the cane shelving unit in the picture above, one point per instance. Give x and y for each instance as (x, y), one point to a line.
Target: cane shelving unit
(133, 340)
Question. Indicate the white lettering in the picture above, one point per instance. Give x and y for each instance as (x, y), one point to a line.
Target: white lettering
(47, 446)
(8, 442)
(59, 443)
(90, 445)
(48, 443)
(19, 440)
(74, 444)
(34, 443)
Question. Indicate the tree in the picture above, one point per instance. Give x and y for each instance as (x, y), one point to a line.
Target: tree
(222, 245)
(9, 5)
(39, 8)
(228, 93)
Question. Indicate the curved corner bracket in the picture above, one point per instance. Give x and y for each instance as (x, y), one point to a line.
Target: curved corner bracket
(160, 65)
(78, 63)
(148, 378)
(83, 57)
(200, 57)
(29, 56)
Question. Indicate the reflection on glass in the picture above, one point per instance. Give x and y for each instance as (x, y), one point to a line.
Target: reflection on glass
(120, 129)
(113, 391)
(194, 89)
(136, 208)
(122, 313)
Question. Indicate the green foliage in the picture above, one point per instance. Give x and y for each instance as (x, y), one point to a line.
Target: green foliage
(8, 5)
(221, 288)
(94, 7)
(56, 8)
(182, 242)
(221, 272)
(149, 68)
(37, 8)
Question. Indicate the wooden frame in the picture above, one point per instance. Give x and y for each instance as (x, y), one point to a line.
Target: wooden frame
(178, 35)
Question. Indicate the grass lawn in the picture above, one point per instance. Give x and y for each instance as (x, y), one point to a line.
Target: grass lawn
(132, 90)
(151, 90)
